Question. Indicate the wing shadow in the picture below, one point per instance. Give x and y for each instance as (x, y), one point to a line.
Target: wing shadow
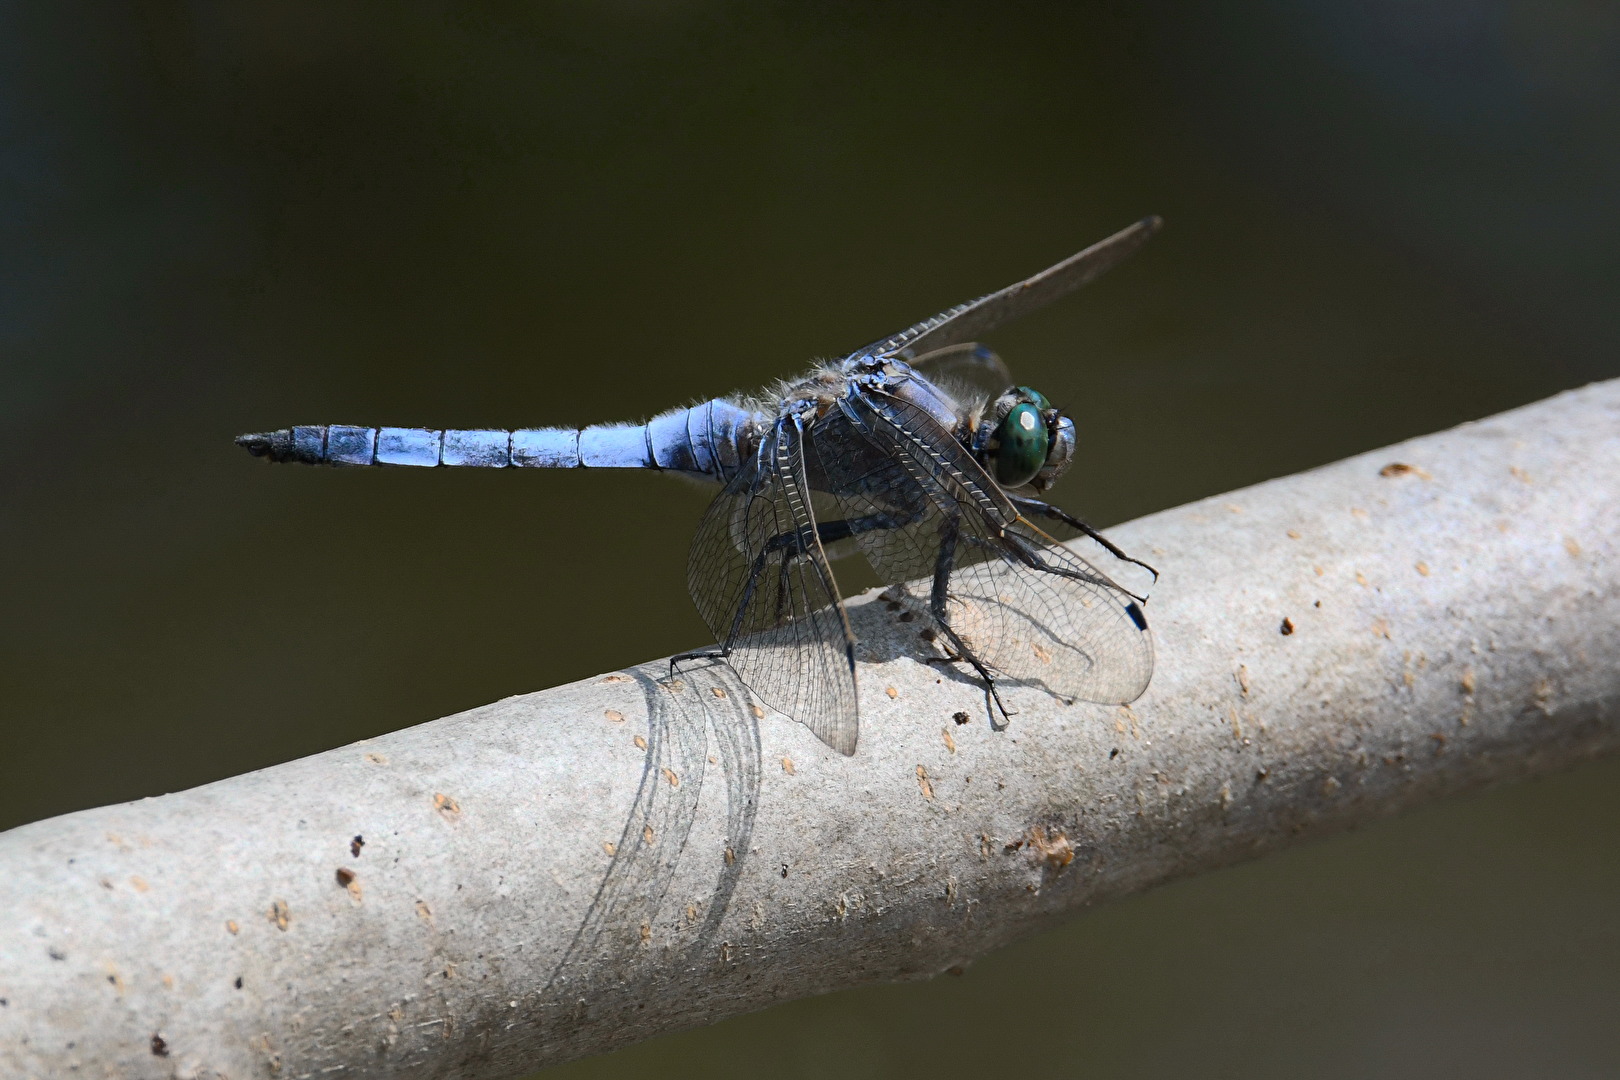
(623, 920)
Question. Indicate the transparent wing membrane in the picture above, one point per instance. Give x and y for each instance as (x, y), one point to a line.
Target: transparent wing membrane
(1008, 597)
(759, 575)
(968, 321)
(970, 364)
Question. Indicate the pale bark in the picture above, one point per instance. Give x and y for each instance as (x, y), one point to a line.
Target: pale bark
(535, 884)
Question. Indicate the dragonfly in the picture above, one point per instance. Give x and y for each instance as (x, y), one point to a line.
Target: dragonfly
(920, 452)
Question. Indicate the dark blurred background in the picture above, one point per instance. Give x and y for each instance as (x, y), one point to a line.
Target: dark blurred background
(1384, 218)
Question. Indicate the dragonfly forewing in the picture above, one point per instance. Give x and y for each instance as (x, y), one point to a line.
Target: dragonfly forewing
(970, 365)
(1008, 596)
(971, 320)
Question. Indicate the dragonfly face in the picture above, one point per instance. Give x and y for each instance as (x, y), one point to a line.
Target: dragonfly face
(1023, 441)
(904, 450)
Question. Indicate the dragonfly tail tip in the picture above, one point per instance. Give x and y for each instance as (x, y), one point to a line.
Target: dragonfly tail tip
(256, 443)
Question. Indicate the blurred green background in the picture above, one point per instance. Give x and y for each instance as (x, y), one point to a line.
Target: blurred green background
(1384, 218)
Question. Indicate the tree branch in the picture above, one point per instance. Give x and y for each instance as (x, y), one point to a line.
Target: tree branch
(573, 870)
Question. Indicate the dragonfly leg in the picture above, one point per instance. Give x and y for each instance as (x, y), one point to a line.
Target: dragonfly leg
(1022, 549)
(844, 528)
(784, 590)
(944, 563)
(1047, 510)
(827, 531)
(704, 654)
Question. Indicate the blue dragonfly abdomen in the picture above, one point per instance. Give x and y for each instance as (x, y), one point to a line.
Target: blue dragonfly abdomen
(711, 439)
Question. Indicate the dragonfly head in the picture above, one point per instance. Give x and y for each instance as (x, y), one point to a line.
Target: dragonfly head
(1023, 440)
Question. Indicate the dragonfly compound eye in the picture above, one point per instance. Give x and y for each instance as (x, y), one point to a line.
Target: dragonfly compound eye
(1021, 446)
(1034, 397)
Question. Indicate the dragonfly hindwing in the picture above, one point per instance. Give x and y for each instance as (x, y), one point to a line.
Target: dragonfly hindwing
(759, 574)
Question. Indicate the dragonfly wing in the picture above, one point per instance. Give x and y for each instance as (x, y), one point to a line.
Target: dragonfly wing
(970, 364)
(1058, 621)
(759, 575)
(1022, 603)
(968, 321)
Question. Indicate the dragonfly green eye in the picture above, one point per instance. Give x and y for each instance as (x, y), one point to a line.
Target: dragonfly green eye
(1036, 397)
(1022, 446)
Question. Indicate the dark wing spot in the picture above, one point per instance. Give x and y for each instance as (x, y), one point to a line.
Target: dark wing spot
(1136, 615)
